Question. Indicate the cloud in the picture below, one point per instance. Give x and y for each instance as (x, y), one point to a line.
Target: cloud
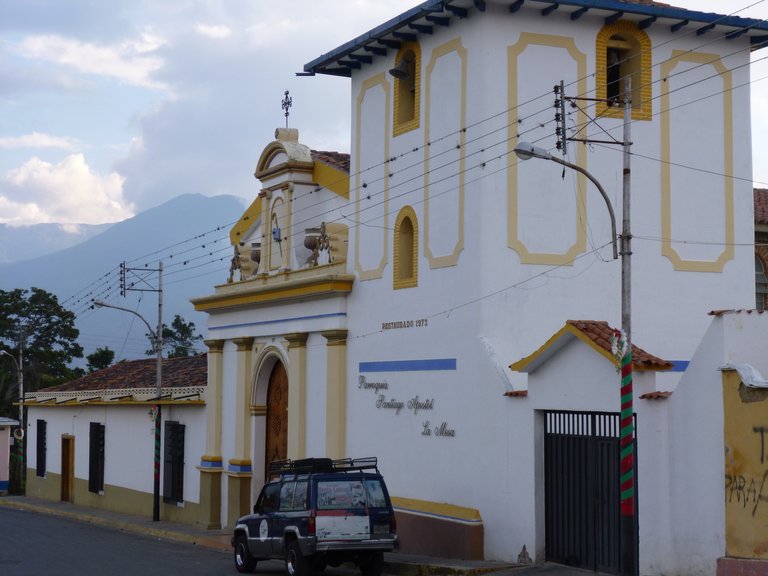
(131, 62)
(37, 140)
(67, 192)
(212, 31)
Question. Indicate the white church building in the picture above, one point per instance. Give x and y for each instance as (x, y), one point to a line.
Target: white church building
(434, 301)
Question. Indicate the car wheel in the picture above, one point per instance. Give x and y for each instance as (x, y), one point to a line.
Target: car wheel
(373, 565)
(244, 562)
(295, 563)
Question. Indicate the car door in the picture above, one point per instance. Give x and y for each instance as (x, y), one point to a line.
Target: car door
(261, 526)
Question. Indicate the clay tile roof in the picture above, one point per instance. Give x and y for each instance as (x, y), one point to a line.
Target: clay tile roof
(177, 373)
(655, 396)
(761, 205)
(337, 160)
(601, 333)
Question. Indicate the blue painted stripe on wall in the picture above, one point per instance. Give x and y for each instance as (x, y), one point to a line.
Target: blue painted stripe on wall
(408, 365)
(236, 468)
(4, 485)
(209, 464)
(278, 321)
(679, 365)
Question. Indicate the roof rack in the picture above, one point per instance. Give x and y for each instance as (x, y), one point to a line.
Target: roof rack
(311, 465)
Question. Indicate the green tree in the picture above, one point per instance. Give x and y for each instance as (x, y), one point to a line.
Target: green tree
(100, 359)
(179, 340)
(48, 338)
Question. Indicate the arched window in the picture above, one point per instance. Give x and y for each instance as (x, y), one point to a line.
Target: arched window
(407, 97)
(623, 51)
(761, 284)
(406, 262)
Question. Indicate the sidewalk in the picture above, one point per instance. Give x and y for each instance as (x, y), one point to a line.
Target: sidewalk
(399, 564)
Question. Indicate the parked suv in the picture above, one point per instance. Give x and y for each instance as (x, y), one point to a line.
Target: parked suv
(317, 512)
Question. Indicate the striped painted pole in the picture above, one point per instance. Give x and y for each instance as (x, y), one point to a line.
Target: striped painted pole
(627, 438)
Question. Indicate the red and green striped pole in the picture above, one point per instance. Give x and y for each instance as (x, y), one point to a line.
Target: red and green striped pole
(627, 438)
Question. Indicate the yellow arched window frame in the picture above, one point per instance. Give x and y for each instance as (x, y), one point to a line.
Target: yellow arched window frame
(623, 49)
(406, 252)
(407, 91)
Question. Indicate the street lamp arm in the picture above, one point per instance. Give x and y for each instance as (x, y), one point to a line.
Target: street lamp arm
(102, 304)
(602, 191)
(12, 357)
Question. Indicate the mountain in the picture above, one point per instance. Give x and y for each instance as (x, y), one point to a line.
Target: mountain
(19, 243)
(190, 233)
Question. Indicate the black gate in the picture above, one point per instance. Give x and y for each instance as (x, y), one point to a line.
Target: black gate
(581, 472)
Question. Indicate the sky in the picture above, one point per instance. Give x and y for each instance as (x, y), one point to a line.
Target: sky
(108, 108)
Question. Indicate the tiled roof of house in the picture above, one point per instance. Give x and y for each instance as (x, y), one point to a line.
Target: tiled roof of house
(337, 160)
(177, 373)
(761, 205)
(601, 333)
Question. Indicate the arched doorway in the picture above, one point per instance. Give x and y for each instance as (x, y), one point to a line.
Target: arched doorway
(277, 416)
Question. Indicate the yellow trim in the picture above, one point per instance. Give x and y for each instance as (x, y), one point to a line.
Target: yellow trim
(642, 110)
(667, 249)
(273, 149)
(331, 178)
(336, 393)
(379, 80)
(315, 287)
(402, 126)
(513, 240)
(454, 45)
(438, 508)
(413, 280)
(207, 458)
(259, 410)
(249, 219)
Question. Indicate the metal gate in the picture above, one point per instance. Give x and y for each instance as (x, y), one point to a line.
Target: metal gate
(581, 475)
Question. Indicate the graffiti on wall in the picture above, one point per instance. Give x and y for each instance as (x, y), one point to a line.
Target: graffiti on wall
(746, 469)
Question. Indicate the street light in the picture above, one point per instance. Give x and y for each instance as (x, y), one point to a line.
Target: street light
(629, 538)
(526, 151)
(20, 445)
(157, 340)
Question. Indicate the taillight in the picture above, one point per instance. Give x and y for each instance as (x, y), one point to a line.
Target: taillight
(311, 526)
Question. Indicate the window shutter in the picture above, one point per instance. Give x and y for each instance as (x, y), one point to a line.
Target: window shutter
(42, 431)
(173, 462)
(96, 458)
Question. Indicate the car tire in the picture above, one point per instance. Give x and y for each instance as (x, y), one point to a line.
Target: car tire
(244, 562)
(373, 565)
(295, 563)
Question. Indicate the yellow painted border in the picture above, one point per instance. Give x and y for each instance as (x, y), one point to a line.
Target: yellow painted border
(413, 281)
(642, 110)
(249, 219)
(513, 241)
(269, 295)
(451, 259)
(399, 127)
(330, 178)
(667, 249)
(447, 511)
(379, 80)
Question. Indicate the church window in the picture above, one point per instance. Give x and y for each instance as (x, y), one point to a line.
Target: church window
(623, 51)
(407, 96)
(761, 284)
(406, 264)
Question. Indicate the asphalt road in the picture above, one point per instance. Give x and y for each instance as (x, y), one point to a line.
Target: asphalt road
(33, 543)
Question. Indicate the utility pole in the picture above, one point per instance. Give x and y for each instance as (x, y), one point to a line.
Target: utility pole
(141, 283)
(629, 533)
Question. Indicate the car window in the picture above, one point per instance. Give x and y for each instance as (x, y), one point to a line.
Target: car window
(286, 496)
(375, 493)
(268, 500)
(300, 497)
(340, 495)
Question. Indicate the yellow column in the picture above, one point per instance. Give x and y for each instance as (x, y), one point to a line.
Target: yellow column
(210, 463)
(239, 470)
(336, 383)
(297, 394)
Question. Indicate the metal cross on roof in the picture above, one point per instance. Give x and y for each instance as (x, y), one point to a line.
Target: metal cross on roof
(287, 103)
